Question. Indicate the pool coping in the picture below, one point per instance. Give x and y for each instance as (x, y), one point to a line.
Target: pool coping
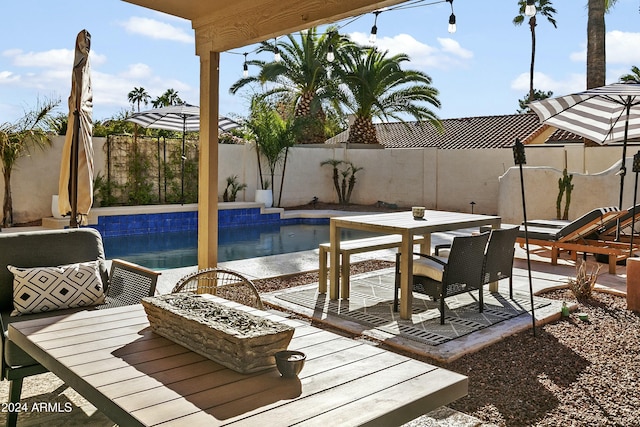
(94, 214)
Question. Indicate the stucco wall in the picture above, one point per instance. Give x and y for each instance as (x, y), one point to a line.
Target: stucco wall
(437, 179)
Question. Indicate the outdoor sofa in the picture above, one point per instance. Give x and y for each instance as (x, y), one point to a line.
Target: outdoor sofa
(35, 257)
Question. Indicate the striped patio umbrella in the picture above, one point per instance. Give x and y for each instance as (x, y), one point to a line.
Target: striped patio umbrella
(179, 118)
(604, 114)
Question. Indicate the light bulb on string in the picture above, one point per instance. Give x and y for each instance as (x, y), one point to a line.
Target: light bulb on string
(276, 56)
(374, 30)
(330, 55)
(452, 19)
(530, 9)
(245, 67)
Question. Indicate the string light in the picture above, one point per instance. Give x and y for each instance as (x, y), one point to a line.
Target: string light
(276, 56)
(245, 67)
(530, 9)
(374, 30)
(452, 19)
(330, 54)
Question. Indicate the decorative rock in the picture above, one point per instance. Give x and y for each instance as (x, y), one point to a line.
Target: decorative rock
(236, 339)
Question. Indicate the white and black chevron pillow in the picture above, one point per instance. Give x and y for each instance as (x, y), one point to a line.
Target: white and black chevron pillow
(41, 289)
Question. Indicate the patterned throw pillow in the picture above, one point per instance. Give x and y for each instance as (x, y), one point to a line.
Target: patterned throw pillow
(41, 289)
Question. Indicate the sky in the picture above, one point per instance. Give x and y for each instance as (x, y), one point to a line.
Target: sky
(481, 69)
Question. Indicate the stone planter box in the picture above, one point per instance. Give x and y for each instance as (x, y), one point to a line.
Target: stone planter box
(236, 339)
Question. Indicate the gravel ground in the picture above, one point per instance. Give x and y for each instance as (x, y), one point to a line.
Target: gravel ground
(572, 373)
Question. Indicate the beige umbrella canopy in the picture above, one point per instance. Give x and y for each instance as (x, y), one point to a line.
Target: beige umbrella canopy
(75, 188)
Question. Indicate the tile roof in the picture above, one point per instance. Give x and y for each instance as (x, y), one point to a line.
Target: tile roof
(464, 133)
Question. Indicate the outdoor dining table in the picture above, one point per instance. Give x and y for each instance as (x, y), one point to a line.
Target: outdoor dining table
(404, 224)
(138, 378)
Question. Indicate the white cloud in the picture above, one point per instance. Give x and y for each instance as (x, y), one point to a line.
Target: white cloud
(53, 58)
(8, 77)
(137, 71)
(453, 47)
(448, 55)
(621, 48)
(544, 82)
(156, 29)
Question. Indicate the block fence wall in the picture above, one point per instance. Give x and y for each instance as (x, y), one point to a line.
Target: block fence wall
(434, 178)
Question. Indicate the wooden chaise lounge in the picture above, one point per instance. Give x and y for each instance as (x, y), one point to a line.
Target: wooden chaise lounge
(580, 236)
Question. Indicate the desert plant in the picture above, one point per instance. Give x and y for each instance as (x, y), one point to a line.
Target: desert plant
(344, 188)
(582, 286)
(564, 188)
(233, 186)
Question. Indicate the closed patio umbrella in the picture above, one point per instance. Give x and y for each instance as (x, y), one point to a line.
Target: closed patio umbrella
(75, 187)
(604, 114)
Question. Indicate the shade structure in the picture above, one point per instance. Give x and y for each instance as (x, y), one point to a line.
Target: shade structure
(605, 114)
(178, 118)
(75, 186)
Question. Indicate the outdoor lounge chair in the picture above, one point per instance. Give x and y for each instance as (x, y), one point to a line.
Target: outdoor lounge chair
(443, 277)
(609, 229)
(221, 282)
(580, 236)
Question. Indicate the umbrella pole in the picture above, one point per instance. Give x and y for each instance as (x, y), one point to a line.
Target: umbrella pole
(636, 169)
(520, 159)
(73, 180)
(182, 158)
(623, 167)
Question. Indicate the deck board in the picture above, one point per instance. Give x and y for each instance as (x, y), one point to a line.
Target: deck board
(138, 378)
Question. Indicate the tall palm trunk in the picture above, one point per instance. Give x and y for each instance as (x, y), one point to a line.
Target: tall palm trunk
(314, 120)
(596, 54)
(532, 26)
(362, 131)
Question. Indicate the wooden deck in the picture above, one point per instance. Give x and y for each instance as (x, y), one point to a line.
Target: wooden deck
(136, 377)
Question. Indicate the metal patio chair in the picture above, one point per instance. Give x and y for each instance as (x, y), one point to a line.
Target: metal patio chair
(443, 277)
(223, 283)
(128, 284)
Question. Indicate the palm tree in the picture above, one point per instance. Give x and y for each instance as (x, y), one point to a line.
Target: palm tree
(300, 77)
(138, 95)
(273, 136)
(596, 53)
(16, 141)
(170, 97)
(375, 85)
(634, 76)
(545, 9)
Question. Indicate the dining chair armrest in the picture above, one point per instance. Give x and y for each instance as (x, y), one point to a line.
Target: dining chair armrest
(432, 258)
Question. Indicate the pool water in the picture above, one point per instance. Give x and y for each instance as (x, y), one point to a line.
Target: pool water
(173, 250)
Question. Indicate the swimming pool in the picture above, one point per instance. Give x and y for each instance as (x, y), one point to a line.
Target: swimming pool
(179, 249)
